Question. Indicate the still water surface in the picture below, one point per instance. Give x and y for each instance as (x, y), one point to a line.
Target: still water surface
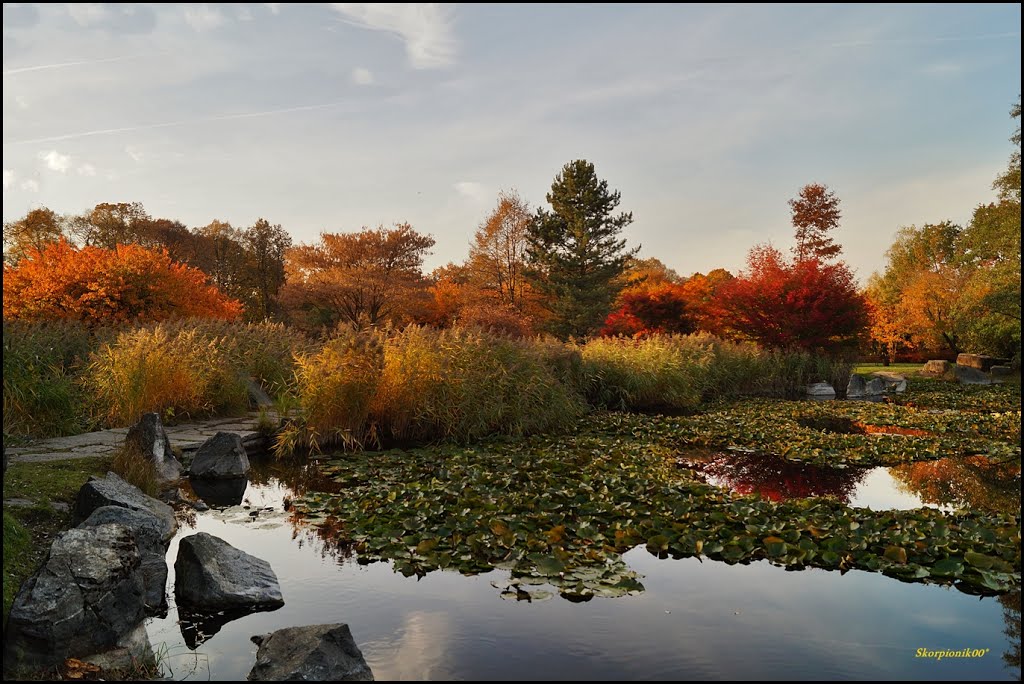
(696, 620)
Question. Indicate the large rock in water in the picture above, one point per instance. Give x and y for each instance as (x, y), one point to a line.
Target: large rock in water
(149, 531)
(113, 491)
(149, 438)
(220, 493)
(212, 575)
(87, 596)
(822, 390)
(316, 653)
(875, 387)
(856, 388)
(221, 457)
(936, 367)
(894, 382)
(967, 375)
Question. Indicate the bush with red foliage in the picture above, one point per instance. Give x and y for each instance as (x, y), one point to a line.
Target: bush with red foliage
(794, 304)
(648, 311)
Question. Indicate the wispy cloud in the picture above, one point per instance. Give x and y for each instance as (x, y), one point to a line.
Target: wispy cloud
(471, 189)
(361, 76)
(203, 17)
(86, 169)
(21, 101)
(426, 29)
(8, 178)
(134, 152)
(30, 185)
(55, 161)
(171, 124)
(87, 13)
(74, 63)
(274, 7)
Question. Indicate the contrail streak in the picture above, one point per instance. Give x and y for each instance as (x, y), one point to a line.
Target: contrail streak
(64, 65)
(170, 124)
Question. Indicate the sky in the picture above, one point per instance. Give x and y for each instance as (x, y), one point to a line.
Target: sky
(707, 119)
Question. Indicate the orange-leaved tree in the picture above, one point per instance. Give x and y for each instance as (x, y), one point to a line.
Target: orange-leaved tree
(99, 286)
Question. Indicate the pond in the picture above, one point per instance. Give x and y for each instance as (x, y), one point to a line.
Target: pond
(695, 619)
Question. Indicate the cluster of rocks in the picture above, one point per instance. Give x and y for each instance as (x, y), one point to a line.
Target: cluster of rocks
(878, 384)
(102, 578)
(971, 369)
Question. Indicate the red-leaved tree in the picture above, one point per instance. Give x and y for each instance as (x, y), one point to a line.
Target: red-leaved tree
(126, 284)
(647, 311)
(794, 304)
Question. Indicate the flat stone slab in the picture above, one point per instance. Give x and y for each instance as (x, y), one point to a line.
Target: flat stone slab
(187, 437)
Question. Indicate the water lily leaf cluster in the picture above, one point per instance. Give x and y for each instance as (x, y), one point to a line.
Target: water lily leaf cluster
(832, 433)
(561, 510)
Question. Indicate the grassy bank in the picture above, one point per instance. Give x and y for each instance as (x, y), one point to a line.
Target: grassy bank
(51, 488)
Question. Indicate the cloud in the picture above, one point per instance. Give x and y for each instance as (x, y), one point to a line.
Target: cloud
(361, 76)
(471, 189)
(8, 178)
(134, 152)
(21, 101)
(20, 15)
(86, 169)
(243, 13)
(274, 7)
(30, 185)
(87, 13)
(203, 17)
(62, 65)
(426, 29)
(55, 161)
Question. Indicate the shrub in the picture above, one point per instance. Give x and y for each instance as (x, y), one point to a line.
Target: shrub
(133, 466)
(179, 375)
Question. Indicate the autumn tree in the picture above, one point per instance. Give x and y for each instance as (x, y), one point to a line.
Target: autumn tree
(575, 251)
(497, 255)
(889, 331)
(815, 212)
(925, 275)
(659, 309)
(35, 230)
(111, 224)
(365, 278)
(265, 246)
(101, 286)
(794, 304)
(701, 293)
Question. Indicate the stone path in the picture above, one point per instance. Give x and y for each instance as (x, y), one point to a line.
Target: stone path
(187, 437)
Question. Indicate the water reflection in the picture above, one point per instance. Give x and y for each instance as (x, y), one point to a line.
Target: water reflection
(197, 628)
(1011, 619)
(775, 478)
(974, 482)
(220, 493)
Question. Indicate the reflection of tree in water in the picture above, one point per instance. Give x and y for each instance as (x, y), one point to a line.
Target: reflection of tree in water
(775, 478)
(974, 482)
(1011, 616)
(299, 476)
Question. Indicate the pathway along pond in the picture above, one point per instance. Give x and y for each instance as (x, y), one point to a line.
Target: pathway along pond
(695, 619)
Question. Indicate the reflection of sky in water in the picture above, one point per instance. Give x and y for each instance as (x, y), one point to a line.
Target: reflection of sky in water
(696, 620)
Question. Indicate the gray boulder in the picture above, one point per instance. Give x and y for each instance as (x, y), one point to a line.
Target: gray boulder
(316, 653)
(874, 387)
(820, 389)
(131, 652)
(968, 375)
(894, 382)
(87, 596)
(936, 367)
(221, 457)
(1001, 371)
(149, 438)
(113, 491)
(212, 575)
(856, 388)
(258, 398)
(149, 532)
